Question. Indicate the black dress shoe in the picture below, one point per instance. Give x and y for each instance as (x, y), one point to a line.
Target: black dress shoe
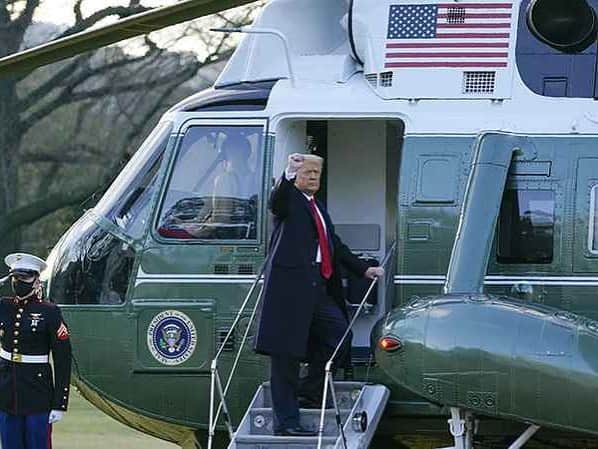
(295, 432)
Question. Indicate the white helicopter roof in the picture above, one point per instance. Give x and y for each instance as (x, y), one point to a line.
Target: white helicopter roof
(432, 94)
(407, 49)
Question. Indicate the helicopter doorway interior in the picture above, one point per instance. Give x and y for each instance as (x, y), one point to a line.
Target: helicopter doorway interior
(360, 189)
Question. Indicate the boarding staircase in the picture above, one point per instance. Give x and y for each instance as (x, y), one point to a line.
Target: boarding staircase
(349, 424)
(360, 410)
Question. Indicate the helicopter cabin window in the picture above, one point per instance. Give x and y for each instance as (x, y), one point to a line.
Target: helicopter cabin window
(526, 227)
(214, 188)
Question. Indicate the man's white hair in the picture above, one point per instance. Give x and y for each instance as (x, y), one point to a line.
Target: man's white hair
(313, 158)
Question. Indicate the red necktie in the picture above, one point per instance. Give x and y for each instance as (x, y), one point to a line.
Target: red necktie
(326, 266)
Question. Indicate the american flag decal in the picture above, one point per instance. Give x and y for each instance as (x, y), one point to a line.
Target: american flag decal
(62, 333)
(449, 35)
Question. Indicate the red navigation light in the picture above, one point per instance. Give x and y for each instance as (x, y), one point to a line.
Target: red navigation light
(390, 344)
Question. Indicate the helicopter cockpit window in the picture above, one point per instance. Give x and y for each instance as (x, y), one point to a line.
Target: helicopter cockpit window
(127, 201)
(526, 227)
(214, 188)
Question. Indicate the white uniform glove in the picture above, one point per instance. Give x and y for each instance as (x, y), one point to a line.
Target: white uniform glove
(294, 164)
(55, 416)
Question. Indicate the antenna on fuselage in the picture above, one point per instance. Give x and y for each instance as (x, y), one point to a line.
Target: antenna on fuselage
(271, 31)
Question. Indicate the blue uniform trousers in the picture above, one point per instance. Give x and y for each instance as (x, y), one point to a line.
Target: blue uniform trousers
(25, 432)
(328, 325)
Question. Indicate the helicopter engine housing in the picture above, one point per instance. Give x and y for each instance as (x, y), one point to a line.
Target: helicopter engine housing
(568, 26)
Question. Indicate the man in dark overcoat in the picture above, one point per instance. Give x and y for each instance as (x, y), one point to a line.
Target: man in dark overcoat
(303, 315)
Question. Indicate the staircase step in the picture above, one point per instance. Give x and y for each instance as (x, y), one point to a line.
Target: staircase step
(274, 442)
(346, 394)
(262, 420)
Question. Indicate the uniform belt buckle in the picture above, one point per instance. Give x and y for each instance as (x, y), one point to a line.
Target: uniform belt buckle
(17, 358)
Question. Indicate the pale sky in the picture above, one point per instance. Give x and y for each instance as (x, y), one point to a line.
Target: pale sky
(61, 12)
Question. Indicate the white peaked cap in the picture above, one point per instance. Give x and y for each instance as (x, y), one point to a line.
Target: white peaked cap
(22, 261)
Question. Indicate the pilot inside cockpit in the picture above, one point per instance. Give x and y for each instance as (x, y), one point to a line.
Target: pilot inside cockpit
(215, 195)
(237, 179)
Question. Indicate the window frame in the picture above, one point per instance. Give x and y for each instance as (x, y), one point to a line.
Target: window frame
(173, 158)
(592, 221)
(103, 223)
(529, 188)
(146, 151)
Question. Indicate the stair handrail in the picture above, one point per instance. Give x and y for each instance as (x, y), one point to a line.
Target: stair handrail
(328, 378)
(215, 381)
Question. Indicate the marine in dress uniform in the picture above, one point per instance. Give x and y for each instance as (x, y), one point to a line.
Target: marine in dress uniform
(303, 316)
(32, 397)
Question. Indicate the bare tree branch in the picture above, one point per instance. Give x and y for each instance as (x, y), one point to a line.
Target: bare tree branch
(33, 211)
(84, 152)
(20, 25)
(120, 11)
(128, 88)
(80, 71)
(27, 15)
(59, 159)
(150, 112)
(68, 96)
(4, 15)
(77, 11)
(37, 95)
(47, 181)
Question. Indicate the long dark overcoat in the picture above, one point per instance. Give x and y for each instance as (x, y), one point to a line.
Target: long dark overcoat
(290, 287)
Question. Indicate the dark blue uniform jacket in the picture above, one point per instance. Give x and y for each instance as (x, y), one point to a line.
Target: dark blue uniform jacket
(33, 328)
(290, 288)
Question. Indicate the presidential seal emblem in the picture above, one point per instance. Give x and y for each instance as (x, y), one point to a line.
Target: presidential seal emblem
(171, 337)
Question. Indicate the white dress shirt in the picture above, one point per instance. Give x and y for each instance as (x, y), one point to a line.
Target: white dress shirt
(290, 177)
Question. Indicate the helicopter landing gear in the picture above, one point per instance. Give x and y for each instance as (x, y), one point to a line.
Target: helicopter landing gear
(525, 437)
(463, 427)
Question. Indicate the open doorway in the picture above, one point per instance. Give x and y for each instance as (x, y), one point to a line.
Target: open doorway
(360, 189)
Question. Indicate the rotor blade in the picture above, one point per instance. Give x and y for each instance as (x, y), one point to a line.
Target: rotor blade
(132, 26)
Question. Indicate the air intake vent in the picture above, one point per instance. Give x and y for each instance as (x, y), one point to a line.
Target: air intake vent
(479, 82)
(221, 269)
(455, 15)
(230, 344)
(245, 268)
(386, 79)
(372, 78)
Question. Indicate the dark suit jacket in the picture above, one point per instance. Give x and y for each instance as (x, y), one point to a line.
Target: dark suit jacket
(289, 291)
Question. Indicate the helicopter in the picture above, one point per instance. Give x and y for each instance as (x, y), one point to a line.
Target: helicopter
(459, 139)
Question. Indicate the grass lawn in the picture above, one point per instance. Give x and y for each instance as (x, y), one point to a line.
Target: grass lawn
(85, 427)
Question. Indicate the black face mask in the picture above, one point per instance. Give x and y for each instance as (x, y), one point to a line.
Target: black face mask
(20, 288)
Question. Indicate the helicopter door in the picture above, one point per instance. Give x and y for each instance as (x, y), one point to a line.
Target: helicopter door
(206, 245)
(360, 189)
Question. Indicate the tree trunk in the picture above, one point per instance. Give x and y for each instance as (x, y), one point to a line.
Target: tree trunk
(10, 140)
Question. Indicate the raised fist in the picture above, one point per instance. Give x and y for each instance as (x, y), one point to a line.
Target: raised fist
(294, 164)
